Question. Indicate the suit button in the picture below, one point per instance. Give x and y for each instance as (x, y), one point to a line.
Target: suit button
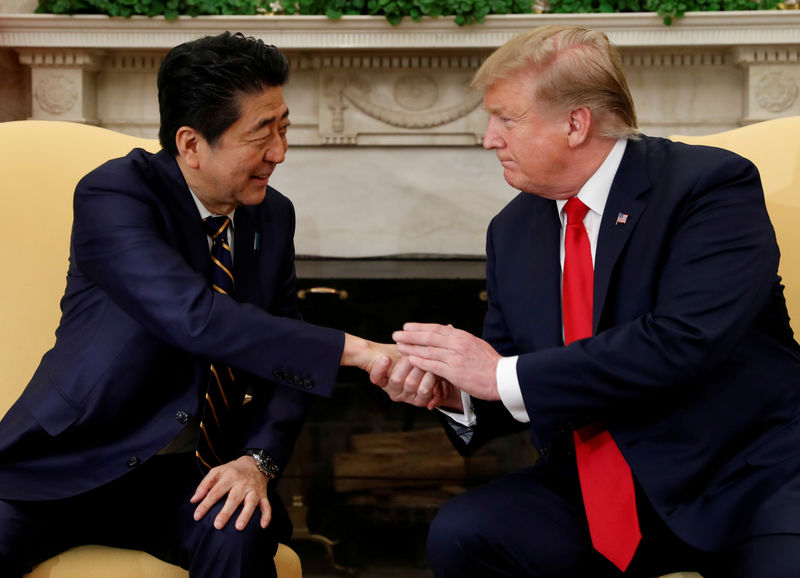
(182, 416)
(308, 383)
(133, 462)
(543, 451)
(297, 380)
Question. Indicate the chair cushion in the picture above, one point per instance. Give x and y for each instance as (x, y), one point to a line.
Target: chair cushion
(104, 562)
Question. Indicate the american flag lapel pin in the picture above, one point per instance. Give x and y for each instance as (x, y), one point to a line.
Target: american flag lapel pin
(622, 218)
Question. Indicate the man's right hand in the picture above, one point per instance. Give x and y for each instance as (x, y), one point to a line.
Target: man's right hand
(239, 483)
(404, 382)
(364, 354)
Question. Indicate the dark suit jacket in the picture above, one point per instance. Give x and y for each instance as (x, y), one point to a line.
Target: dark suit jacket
(140, 324)
(692, 366)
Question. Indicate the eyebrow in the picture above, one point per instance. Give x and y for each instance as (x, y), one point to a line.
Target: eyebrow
(267, 121)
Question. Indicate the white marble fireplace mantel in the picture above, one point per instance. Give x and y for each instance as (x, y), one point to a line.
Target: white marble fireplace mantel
(385, 135)
(634, 30)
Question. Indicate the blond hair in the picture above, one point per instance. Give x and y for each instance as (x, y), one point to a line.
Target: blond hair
(573, 67)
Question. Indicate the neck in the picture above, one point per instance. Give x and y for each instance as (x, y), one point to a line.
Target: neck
(200, 190)
(590, 156)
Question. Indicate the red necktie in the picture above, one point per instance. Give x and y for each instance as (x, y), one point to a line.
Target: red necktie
(606, 480)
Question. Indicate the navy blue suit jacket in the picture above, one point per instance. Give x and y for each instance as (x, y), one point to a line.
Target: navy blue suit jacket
(692, 366)
(140, 324)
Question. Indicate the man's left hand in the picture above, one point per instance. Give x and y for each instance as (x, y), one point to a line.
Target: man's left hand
(466, 361)
(243, 484)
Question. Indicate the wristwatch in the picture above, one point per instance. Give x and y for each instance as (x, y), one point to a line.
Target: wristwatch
(266, 465)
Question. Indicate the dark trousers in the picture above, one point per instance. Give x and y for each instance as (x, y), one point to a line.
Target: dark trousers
(531, 523)
(147, 509)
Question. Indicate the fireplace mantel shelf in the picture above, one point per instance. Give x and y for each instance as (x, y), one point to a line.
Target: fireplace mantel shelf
(745, 28)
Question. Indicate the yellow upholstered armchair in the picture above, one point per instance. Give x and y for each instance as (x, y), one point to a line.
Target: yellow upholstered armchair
(40, 164)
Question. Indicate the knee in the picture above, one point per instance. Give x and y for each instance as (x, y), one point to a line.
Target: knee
(229, 539)
(228, 551)
(455, 533)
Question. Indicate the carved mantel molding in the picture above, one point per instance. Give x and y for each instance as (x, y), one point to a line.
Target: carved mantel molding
(382, 84)
(382, 121)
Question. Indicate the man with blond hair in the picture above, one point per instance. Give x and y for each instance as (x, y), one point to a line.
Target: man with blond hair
(636, 325)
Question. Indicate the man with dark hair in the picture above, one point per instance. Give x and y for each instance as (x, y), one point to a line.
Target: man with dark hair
(181, 372)
(636, 325)
(198, 83)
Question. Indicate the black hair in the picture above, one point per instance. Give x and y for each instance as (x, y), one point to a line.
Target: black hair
(200, 83)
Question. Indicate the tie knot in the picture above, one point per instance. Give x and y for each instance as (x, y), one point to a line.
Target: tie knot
(217, 226)
(575, 211)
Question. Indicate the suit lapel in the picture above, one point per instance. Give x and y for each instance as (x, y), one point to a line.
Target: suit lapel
(543, 274)
(623, 209)
(189, 236)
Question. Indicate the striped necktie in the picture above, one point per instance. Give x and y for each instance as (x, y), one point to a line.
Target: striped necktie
(606, 479)
(222, 395)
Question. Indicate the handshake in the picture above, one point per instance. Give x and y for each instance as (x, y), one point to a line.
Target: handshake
(429, 365)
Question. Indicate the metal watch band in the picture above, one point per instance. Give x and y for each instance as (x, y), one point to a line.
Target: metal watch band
(266, 465)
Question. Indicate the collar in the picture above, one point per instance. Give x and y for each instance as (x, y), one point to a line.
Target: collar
(205, 213)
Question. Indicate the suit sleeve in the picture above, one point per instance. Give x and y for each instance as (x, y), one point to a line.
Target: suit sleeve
(119, 243)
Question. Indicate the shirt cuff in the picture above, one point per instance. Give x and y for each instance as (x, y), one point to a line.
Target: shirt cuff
(468, 417)
(509, 389)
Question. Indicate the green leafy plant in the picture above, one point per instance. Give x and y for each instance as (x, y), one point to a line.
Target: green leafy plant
(463, 11)
(170, 9)
(667, 9)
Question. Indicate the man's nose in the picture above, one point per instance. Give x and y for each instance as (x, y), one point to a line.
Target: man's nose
(276, 151)
(491, 140)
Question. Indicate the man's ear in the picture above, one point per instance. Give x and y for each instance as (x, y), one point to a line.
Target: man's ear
(580, 125)
(187, 141)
